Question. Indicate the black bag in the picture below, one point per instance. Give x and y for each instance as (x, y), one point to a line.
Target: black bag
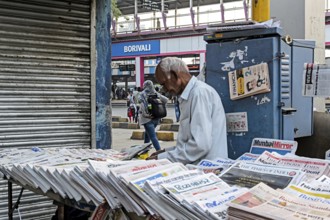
(156, 107)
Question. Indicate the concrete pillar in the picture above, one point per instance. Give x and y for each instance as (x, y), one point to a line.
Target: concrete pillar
(103, 74)
(139, 71)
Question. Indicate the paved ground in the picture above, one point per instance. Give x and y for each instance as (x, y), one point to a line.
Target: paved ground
(121, 137)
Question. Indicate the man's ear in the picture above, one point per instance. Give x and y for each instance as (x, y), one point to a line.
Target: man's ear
(173, 75)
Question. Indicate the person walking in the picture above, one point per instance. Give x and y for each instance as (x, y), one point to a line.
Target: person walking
(136, 94)
(146, 119)
(131, 107)
(202, 129)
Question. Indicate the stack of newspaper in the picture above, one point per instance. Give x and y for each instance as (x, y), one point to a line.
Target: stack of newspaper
(61, 170)
(241, 26)
(162, 189)
(303, 202)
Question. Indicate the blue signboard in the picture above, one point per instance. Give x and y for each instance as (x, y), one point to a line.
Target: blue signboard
(135, 48)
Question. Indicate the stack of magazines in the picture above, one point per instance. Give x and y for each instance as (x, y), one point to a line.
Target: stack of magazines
(265, 186)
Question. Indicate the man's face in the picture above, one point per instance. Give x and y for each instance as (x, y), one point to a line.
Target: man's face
(171, 85)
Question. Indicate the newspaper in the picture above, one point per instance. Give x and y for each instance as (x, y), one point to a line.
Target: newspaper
(134, 151)
(161, 188)
(248, 157)
(236, 27)
(226, 162)
(136, 184)
(327, 155)
(154, 190)
(216, 206)
(70, 192)
(247, 174)
(310, 193)
(314, 168)
(153, 187)
(217, 170)
(97, 173)
(101, 212)
(263, 201)
(212, 166)
(78, 176)
(184, 190)
(316, 80)
(139, 179)
(324, 179)
(249, 81)
(132, 202)
(181, 212)
(259, 145)
(47, 180)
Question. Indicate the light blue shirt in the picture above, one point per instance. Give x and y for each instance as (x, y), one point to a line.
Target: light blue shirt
(202, 131)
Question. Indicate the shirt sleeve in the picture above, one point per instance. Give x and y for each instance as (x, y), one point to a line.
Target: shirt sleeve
(200, 134)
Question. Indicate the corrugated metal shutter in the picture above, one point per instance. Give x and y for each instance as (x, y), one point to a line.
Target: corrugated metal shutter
(44, 81)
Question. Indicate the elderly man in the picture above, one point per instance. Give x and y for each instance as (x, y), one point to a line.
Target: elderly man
(202, 132)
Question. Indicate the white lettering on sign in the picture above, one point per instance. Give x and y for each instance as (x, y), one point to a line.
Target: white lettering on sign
(137, 48)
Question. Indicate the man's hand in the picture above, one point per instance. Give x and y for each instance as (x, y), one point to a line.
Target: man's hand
(154, 156)
(157, 152)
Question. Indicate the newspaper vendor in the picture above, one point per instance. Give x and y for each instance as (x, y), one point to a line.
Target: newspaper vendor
(202, 132)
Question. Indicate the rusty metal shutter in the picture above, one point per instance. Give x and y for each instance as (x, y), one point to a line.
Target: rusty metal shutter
(45, 78)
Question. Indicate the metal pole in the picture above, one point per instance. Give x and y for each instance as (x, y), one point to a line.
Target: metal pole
(260, 10)
(135, 14)
(192, 13)
(197, 12)
(246, 8)
(222, 11)
(154, 20)
(163, 15)
(10, 200)
(175, 15)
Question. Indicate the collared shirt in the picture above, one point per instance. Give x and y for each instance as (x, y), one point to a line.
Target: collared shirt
(202, 130)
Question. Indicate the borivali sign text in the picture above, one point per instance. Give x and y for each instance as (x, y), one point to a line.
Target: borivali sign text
(136, 48)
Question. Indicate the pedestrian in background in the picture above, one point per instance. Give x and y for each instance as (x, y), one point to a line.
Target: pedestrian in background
(146, 119)
(177, 108)
(136, 94)
(202, 130)
(131, 107)
(130, 114)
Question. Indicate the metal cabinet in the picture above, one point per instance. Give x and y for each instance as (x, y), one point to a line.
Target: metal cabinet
(271, 114)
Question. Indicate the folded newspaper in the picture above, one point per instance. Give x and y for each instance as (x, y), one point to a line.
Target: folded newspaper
(316, 80)
(259, 145)
(135, 150)
(263, 202)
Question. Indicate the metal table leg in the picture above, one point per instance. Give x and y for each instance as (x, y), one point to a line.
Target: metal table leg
(10, 200)
(12, 208)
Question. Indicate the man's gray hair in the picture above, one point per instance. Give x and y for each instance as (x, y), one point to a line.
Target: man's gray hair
(175, 64)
